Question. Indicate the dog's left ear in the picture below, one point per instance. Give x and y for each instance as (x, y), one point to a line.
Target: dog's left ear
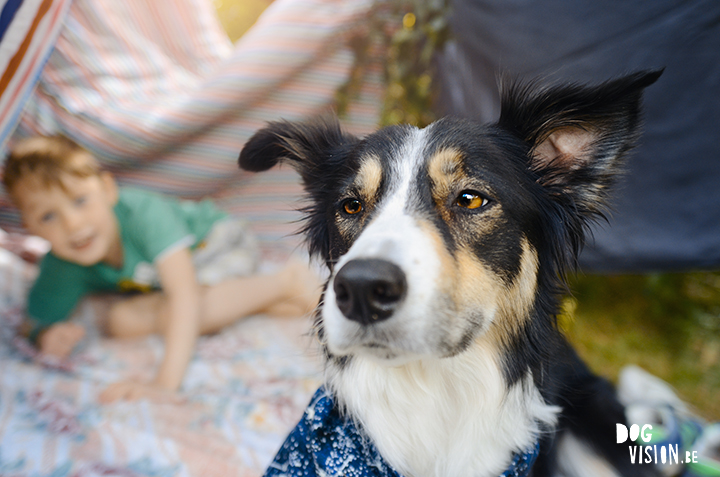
(577, 135)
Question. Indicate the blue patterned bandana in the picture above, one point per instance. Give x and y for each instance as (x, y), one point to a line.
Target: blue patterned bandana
(326, 444)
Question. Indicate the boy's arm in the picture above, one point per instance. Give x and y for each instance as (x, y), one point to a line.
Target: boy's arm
(182, 322)
(181, 307)
(55, 293)
(60, 339)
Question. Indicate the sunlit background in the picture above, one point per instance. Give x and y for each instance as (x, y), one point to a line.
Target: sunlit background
(237, 16)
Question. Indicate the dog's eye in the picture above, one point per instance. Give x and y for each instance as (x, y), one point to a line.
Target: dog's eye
(352, 206)
(471, 200)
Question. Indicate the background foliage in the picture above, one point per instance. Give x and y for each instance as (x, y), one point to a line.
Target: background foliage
(407, 33)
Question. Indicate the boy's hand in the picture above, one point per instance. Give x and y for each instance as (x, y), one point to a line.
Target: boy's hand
(134, 391)
(60, 339)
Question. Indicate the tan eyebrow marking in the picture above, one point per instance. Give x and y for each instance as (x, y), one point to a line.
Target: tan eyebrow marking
(445, 172)
(366, 184)
(444, 169)
(369, 177)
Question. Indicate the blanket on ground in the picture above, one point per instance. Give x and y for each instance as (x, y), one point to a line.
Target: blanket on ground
(245, 388)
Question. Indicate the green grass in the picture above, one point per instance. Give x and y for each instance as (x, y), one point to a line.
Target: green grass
(669, 324)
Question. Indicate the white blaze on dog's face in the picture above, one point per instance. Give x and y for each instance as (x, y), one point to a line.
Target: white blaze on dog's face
(395, 233)
(424, 219)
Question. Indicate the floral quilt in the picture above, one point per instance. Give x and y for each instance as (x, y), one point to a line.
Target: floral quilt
(244, 390)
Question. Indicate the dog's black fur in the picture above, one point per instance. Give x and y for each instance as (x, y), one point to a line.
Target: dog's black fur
(547, 189)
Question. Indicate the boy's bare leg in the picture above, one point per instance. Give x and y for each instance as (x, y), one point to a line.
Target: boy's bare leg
(135, 316)
(294, 290)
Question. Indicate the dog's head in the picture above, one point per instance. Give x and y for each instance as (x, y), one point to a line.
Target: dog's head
(441, 236)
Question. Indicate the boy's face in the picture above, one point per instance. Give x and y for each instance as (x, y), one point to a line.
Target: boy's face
(79, 222)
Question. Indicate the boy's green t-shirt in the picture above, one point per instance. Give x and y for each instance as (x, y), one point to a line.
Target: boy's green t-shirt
(150, 225)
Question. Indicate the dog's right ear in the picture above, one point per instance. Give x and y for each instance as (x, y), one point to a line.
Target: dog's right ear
(310, 147)
(321, 152)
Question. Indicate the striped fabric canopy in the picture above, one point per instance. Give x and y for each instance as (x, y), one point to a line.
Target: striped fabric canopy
(156, 90)
(28, 30)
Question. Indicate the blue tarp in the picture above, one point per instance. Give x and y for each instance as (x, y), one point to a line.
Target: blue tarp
(667, 209)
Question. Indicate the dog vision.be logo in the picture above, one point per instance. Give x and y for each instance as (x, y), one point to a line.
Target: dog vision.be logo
(646, 452)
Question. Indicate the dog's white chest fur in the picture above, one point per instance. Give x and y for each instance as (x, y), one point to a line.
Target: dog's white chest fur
(448, 417)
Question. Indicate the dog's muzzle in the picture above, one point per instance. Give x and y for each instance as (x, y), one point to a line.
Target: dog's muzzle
(369, 290)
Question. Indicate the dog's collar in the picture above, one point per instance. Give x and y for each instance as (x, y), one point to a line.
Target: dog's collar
(326, 443)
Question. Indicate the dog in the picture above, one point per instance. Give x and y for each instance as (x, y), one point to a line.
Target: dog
(447, 248)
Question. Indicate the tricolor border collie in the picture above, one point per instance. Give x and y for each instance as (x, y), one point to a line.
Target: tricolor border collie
(447, 248)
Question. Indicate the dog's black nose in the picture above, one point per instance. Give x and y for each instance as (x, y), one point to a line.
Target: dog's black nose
(369, 290)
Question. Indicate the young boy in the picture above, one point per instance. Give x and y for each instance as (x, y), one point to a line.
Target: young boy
(108, 239)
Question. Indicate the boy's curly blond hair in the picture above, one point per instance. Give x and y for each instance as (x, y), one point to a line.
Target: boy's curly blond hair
(46, 158)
